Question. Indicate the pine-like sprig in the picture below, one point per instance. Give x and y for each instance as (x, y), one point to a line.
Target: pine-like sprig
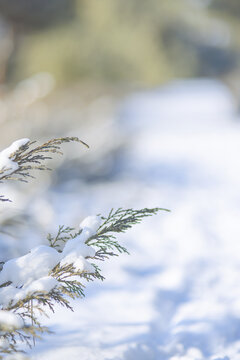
(30, 157)
(117, 221)
(71, 281)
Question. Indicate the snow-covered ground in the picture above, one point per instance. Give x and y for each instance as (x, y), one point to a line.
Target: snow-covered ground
(178, 295)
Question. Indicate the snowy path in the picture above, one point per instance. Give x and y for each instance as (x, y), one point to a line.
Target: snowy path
(178, 295)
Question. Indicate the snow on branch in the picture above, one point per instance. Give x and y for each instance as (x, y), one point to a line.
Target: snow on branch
(22, 156)
(32, 284)
(58, 272)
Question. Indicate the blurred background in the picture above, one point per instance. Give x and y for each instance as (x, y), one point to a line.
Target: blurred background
(154, 88)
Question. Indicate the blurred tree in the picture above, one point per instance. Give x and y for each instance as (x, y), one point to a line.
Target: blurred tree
(121, 41)
(35, 14)
(25, 16)
(108, 41)
(227, 7)
(228, 11)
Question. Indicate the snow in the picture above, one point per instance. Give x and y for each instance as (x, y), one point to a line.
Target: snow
(191, 354)
(91, 224)
(7, 163)
(4, 344)
(16, 356)
(15, 146)
(8, 294)
(29, 273)
(32, 266)
(11, 293)
(10, 320)
(75, 250)
(177, 297)
(76, 245)
(76, 254)
(44, 284)
(78, 261)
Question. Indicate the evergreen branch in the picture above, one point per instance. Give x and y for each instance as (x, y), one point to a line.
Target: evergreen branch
(97, 241)
(70, 280)
(30, 158)
(117, 221)
(63, 235)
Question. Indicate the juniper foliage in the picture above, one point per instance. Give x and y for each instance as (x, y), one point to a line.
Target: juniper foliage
(30, 157)
(71, 281)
